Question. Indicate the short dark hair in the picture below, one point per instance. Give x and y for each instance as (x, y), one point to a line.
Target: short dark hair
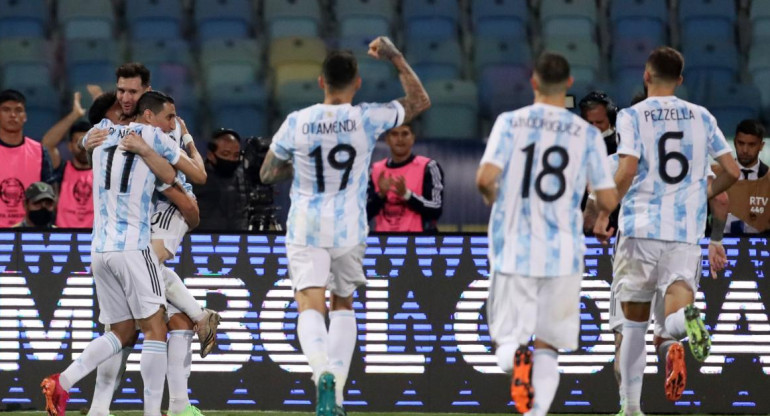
(667, 63)
(133, 70)
(212, 144)
(100, 106)
(153, 101)
(80, 126)
(751, 127)
(12, 95)
(340, 68)
(551, 69)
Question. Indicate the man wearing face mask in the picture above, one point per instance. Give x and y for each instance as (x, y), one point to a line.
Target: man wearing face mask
(39, 204)
(599, 110)
(223, 198)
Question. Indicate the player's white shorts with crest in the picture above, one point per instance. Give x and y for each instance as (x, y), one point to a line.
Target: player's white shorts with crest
(546, 307)
(128, 285)
(644, 267)
(168, 225)
(340, 269)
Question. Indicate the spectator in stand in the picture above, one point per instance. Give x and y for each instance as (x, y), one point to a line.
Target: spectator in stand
(58, 131)
(76, 207)
(24, 161)
(39, 205)
(223, 199)
(405, 190)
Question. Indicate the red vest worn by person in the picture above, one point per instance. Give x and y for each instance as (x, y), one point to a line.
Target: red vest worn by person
(20, 167)
(76, 207)
(396, 216)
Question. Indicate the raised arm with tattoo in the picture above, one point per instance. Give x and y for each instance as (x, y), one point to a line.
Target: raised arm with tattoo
(275, 170)
(416, 100)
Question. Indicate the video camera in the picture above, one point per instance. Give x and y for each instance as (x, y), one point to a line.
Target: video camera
(261, 199)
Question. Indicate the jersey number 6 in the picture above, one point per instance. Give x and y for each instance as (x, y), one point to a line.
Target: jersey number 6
(347, 165)
(664, 157)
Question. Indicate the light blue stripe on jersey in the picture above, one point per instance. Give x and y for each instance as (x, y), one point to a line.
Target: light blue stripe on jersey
(315, 204)
(552, 268)
(524, 257)
(340, 227)
(498, 228)
(284, 155)
(680, 209)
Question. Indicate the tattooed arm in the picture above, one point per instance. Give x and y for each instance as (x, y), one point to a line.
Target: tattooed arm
(275, 170)
(416, 100)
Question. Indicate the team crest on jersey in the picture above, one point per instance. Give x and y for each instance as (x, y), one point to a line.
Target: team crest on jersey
(12, 192)
(82, 192)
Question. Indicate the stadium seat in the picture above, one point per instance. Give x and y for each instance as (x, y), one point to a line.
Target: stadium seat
(629, 57)
(288, 18)
(379, 90)
(454, 110)
(217, 19)
(154, 19)
(86, 19)
(639, 19)
(568, 18)
(495, 52)
(700, 19)
(92, 61)
(231, 61)
(295, 95)
(760, 21)
(710, 64)
(583, 56)
(732, 104)
(364, 18)
(759, 68)
(296, 59)
(503, 89)
(25, 62)
(500, 18)
(241, 108)
(434, 59)
(43, 109)
(431, 18)
(25, 19)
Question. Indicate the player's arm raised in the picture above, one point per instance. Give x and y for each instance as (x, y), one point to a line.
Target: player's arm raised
(416, 100)
(158, 164)
(198, 176)
(185, 203)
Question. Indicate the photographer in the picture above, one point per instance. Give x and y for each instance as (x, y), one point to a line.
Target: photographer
(223, 199)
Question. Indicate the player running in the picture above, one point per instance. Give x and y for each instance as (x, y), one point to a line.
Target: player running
(665, 143)
(327, 149)
(534, 169)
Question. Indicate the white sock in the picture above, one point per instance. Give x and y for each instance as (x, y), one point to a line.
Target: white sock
(342, 344)
(312, 334)
(633, 358)
(545, 380)
(179, 363)
(97, 351)
(152, 365)
(504, 354)
(675, 325)
(179, 295)
(108, 376)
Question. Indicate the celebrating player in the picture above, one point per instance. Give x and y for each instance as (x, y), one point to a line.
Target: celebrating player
(327, 149)
(534, 170)
(662, 173)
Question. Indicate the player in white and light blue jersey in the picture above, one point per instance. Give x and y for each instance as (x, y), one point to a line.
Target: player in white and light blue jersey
(535, 169)
(665, 143)
(327, 149)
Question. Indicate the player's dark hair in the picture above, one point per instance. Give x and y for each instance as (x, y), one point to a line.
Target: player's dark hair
(153, 101)
(340, 69)
(100, 106)
(12, 95)
(666, 63)
(80, 126)
(133, 70)
(551, 70)
(751, 127)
